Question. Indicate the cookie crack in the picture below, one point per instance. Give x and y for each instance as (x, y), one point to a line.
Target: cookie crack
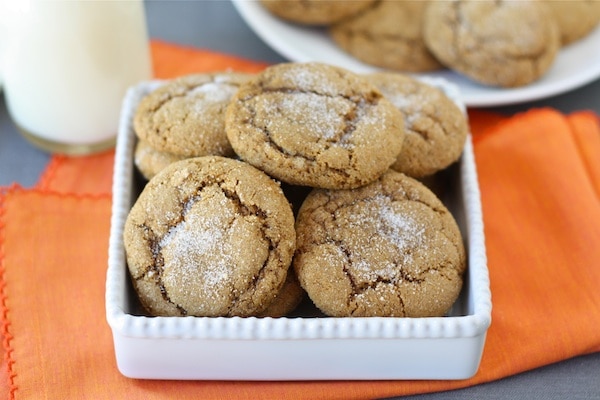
(156, 269)
(310, 159)
(424, 133)
(425, 118)
(346, 270)
(361, 288)
(252, 210)
(351, 118)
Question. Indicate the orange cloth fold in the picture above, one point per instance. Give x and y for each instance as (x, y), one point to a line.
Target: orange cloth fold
(170, 62)
(63, 174)
(539, 175)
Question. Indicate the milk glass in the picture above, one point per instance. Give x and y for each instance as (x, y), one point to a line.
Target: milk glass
(2, 38)
(67, 66)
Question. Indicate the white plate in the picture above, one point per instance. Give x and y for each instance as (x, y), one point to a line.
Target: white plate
(303, 347)
(575, 66)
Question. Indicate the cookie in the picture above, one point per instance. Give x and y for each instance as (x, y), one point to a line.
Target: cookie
(289, 297)
(388, 34)
(575, 18)
(496, 43)
(186, 116)
(209, 236)
(150, 161)
(314, 12)
(316, 125)
(436, 129)
(390, 248)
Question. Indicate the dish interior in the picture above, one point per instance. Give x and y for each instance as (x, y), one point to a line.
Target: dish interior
(446, 185)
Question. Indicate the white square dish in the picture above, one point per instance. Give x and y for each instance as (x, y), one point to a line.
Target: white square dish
(299, 347)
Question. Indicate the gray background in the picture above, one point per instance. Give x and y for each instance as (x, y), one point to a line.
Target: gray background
(216, 25)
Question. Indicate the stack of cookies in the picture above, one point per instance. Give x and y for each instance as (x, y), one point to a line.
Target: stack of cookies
(311, 186)
(507, 43)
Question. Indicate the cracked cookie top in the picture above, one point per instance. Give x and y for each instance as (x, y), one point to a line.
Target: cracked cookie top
(387, 34)
(436, 129)
(209, 236)
(390, 248)
(186, 116)
(314, 125)
(505, 43)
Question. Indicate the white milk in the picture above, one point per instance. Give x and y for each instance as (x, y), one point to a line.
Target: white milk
(67, 67)
(2, 37)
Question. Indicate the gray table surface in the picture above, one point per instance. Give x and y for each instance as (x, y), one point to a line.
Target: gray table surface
(216, 25)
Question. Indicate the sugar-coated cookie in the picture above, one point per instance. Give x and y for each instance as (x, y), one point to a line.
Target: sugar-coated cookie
(186, 116)
(499, 43)
(390, 248)
(209, 236)
(436, 129)
(388, 34)
(316, 125)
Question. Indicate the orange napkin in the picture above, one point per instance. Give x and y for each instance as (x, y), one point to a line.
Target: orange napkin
(540, 177)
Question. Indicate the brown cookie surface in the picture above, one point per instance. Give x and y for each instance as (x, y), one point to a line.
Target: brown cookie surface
(314, 125)
(499, 43)
(390, 248)
(388, 34)
(288, 298)
(209, 236)
(435, 128)
(314, 12)
(150, 161)
(186, 116)
(575, 18)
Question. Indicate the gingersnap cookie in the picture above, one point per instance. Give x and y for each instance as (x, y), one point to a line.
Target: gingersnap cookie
(436, 129)
(150, 161)
(186, 116)
(575, 19)
(314, 12)
(497, 43)
(209, 236)
(316, 125)
(387, 34)
(288, 298)
(390, 248)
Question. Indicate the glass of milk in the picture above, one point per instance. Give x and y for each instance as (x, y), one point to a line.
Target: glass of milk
(2, 38)
(67, 66)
